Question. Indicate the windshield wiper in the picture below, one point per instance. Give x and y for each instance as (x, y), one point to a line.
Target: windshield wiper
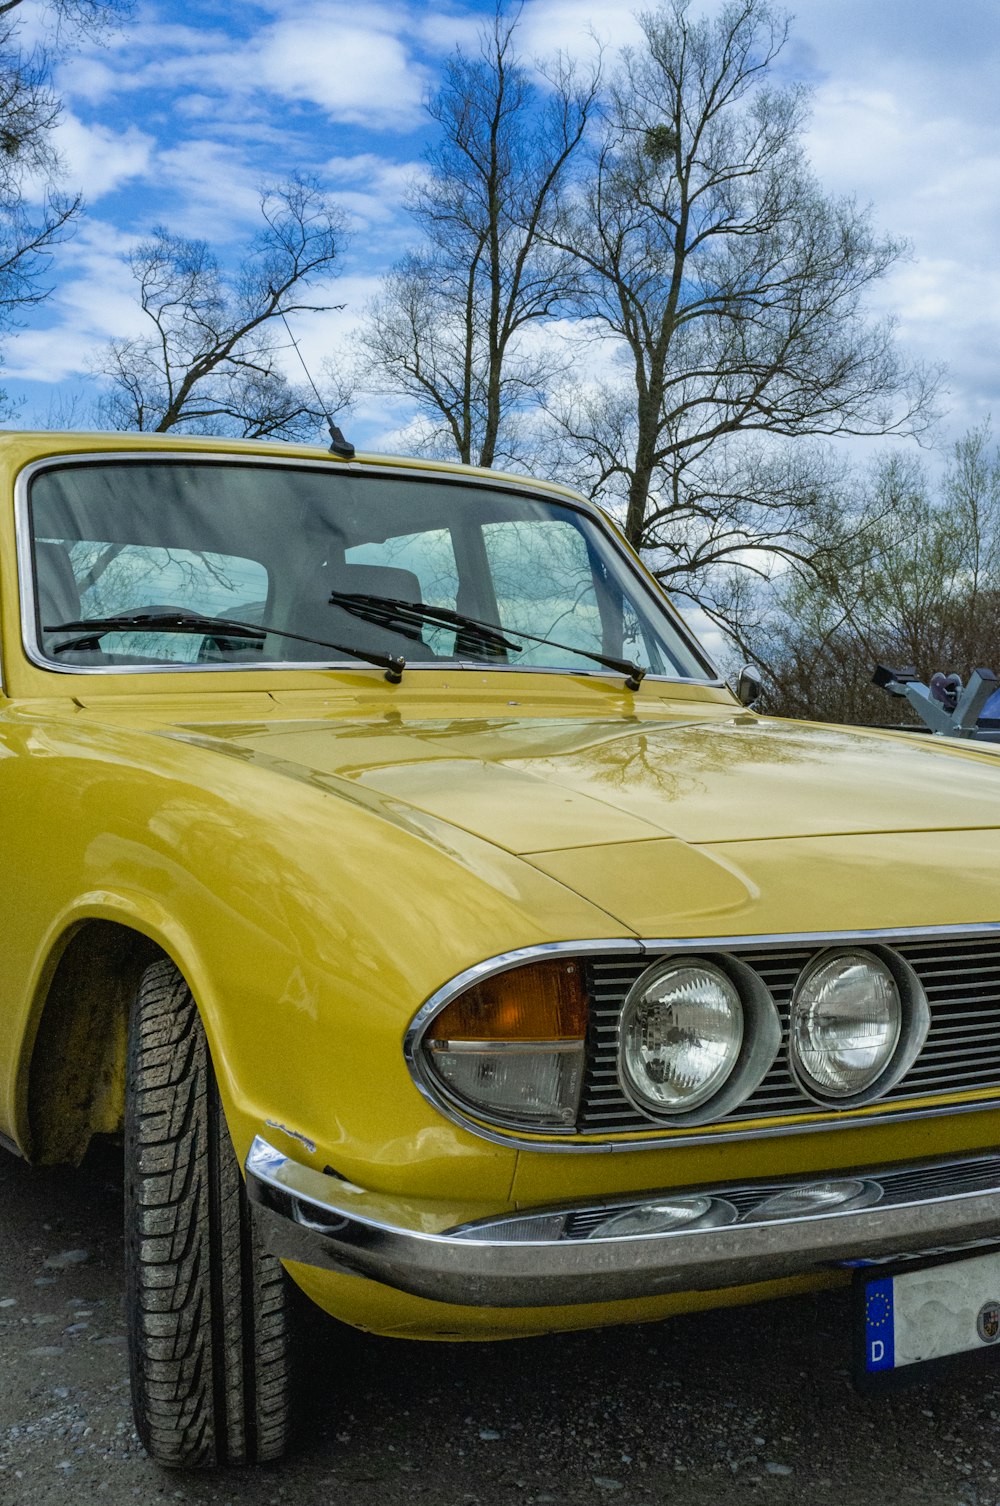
(408, 617)
(390, 611)
(179, 620)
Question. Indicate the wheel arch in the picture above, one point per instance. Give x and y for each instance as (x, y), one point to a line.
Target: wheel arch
(74, 1081)
(71, 1077)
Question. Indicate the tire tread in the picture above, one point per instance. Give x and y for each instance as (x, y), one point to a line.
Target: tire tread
(208, 1307)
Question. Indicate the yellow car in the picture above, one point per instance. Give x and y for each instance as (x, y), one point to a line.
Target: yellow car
(390, 866)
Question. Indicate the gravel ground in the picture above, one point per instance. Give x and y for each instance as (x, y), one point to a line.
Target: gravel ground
(753, 1405)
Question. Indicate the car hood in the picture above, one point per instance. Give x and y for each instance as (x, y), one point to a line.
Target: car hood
(724, 823)
(536, 785)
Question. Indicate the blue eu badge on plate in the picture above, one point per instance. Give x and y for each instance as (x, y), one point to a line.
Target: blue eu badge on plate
(879, 1350)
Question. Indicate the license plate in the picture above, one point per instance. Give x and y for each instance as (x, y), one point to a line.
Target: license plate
(913, 1316)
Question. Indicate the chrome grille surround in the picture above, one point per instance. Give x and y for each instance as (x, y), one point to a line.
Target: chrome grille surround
(958, 966)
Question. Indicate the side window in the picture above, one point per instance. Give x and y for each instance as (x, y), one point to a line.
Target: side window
(430, 558)
(544, 584)
(116, 578)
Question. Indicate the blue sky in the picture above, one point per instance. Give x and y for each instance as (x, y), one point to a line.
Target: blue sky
(181, 116)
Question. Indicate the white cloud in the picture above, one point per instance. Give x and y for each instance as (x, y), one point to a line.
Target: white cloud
(353, 62)
(931, 170)
(50, 355)
(332, 333)
(145, 52)
(350, 61)
(99, 158)
(94, 301)
(551, 26)
(89, 80)
(217, 189)
(445, 27)
(370, 187)
(715, 643)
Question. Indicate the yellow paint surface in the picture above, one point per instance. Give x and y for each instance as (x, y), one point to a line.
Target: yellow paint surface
(320, 852)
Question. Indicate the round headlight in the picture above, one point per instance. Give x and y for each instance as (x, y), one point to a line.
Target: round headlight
(846, 1023)
(681, 1034)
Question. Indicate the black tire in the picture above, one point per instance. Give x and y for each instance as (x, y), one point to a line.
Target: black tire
(207, 1307)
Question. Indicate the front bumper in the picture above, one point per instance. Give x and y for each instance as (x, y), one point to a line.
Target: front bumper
(315, 1219)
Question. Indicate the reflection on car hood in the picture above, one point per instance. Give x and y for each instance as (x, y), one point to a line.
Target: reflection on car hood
(539, 785)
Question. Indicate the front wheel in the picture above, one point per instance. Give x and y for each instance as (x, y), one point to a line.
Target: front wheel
(207, 1307)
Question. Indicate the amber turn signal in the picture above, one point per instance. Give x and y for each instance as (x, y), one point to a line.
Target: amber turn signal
(543, 1002)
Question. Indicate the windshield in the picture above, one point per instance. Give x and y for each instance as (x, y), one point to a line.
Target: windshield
(271, 544)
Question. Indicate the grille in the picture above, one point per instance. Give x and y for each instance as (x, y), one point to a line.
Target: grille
(931, 1182)
(919, 1184)
(961, 979)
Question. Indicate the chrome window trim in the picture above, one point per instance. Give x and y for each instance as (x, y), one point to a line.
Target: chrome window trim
(661, 1138)
(527, 488)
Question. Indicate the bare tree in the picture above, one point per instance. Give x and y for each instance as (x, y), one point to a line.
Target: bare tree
(29, 111)
(211, 361)
(907, 576)
(453, 327)
(730, 291)
(74, 17)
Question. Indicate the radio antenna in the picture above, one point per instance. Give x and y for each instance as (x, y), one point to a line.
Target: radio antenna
(338, 444)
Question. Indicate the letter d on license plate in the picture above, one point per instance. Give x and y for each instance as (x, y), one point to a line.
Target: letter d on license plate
(919, 1314)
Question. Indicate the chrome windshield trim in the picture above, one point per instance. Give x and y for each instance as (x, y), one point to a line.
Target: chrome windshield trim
(308, 1216)
(456, 477)
(547, 1140)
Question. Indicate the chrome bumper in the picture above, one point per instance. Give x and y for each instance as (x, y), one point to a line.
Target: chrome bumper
(321, 1221)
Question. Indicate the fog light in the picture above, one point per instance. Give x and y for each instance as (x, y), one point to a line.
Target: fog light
(667, 1217)
(541, 1226)
(816, 1197)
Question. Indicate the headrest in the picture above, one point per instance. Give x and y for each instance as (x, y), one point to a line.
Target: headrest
(377, 580)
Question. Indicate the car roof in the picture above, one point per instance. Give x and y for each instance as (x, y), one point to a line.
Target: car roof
(24, 446)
